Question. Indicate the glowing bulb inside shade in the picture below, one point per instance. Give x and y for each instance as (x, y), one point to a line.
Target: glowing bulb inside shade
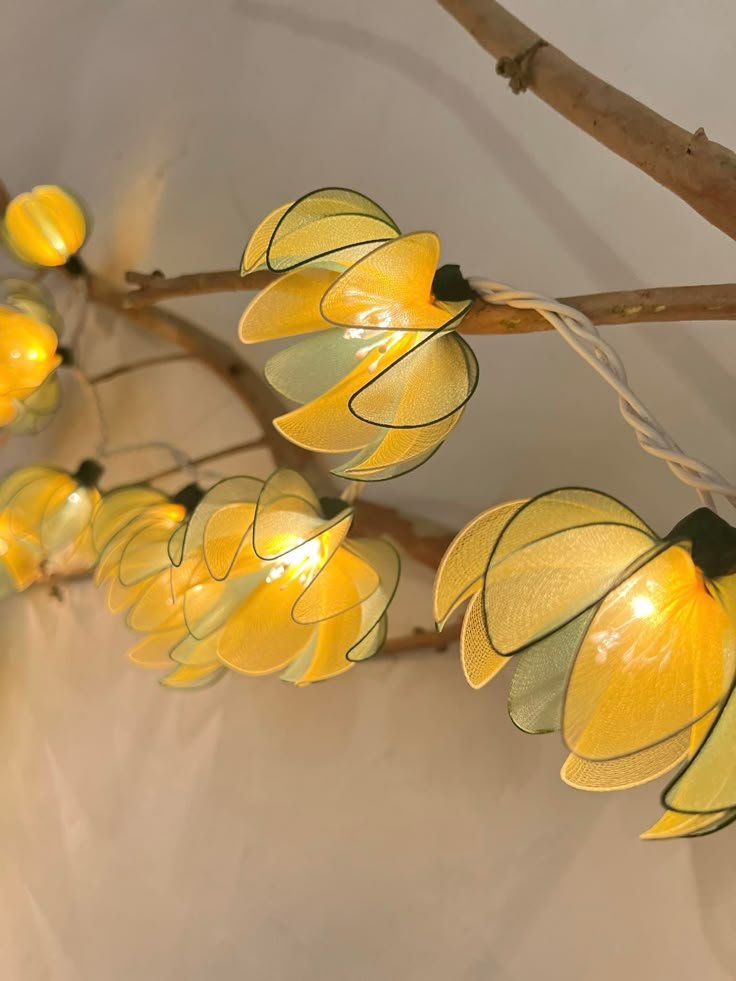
(73, 498)
(380, 343)
(642, 606)
(300, 564)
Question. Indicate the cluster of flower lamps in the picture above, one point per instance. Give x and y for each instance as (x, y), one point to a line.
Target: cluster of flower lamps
(621, 640)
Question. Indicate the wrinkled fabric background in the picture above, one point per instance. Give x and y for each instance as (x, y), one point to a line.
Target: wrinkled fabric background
(391, 824)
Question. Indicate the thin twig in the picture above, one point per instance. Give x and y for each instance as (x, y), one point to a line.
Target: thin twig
(128, 369)
(696, 169)
(155, 287)
(669, 304)
(423, 640)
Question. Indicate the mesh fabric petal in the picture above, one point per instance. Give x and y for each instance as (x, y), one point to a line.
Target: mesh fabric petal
(324, 222)
(427, 384)
(290, 305)
(479, 660)
(658, 655)
(390, 289)
(537, 691)
(539, 588)
(464, 563)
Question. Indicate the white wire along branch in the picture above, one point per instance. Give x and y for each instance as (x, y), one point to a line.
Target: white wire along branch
(578, 331)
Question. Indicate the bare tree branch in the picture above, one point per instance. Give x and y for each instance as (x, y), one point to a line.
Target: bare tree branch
(423, 640)
(696, 169)
(155, 287)
(668, 304)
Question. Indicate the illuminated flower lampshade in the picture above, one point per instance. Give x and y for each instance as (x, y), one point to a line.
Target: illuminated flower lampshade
(45, 226)
(259, 579)
(131, 530)
(381, 370)
(623, 641)
(54, 509)
(20, 559)
(29, 390)
(275, 585)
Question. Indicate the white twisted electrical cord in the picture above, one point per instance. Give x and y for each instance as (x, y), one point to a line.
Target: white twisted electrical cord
(575, 328)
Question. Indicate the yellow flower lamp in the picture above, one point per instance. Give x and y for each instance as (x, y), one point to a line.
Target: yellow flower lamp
(45, 226)
(29, 390)
(275, 585)
(382, 370)
(20, 558)
(624, 642)
(54, 508)
(132, 529)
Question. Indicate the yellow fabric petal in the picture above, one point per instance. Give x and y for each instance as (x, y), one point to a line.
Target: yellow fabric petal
(326, 222)
(398, 451)
(371, 644)
(480, 661)
(389, 289)
(261, 637)
(626, 771)
(67, 516)
(226, 533)
(154, 650)
(254, 255)
(674, 825)
(20, 557)
(288, 516)
(155, 608)
(231, 490)
(193, 676)
(146, 553)
(120, 598)
(708, 784)
(326, 424)
(427, 384)
(539, 588)
(659, 654)
(119, 507)
(196, 652)
(290, 305)
(463, 564)
(340, 584)
(335, 637)
(561, 510)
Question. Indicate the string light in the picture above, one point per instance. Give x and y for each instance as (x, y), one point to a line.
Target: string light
(349, 277)
(45, 226)
(29, 392)
(253, 577)
(623, 641)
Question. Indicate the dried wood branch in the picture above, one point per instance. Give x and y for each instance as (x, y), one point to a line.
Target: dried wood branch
(668, 304)
(695, 168)
(423, 640)
(155, 287)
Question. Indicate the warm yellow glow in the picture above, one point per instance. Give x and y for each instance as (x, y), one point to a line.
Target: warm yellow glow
(380, 342)
(299, 565)
(27, 358)
(642, 606)
(45, 227)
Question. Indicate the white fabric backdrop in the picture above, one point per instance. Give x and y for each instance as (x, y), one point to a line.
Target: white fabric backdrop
(391, 824)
